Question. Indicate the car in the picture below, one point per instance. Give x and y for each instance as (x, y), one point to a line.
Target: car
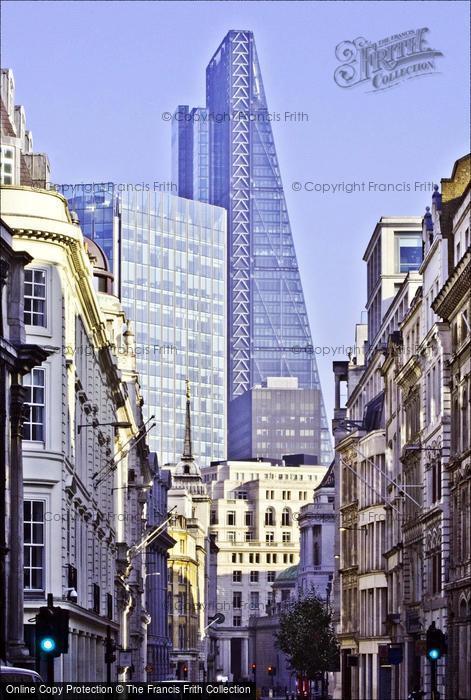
(12, 674)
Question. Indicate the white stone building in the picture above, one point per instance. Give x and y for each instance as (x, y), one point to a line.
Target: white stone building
(255, 505)
(83, 445)
(316, 522)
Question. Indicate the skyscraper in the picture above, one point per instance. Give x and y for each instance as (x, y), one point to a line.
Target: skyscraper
(268, 326)
(168, 258)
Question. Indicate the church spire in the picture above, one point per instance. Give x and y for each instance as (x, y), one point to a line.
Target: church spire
(187, 455)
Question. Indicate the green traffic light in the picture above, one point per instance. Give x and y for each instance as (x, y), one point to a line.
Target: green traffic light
(47, 644)
(434, 654)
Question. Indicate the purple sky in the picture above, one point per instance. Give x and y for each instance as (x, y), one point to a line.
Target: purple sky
(96, 77)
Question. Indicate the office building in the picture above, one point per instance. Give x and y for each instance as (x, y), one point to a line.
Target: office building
(253, 519)
(268, 326)
(168, 256)
(277, 418)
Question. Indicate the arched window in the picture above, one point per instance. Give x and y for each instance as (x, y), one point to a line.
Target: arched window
(286, 517)
(269, 516)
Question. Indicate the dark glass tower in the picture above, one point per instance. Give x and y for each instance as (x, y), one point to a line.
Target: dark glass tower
(268, 326)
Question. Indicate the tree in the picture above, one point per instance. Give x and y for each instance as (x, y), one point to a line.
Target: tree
(307, 637)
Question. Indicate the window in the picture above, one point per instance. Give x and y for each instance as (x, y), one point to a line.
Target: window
(249, 519)
(231, 536)
(436, 566)
(35, 298)
(34, 541)
(231, 517)
(249, 536)
(236, 621)
(254, 600)
(241, 495)
(254, 577)
(269, 517)
(436, 470)
(271, 575)
(213, 518)
(270, 537)
(286, 495)
(6, 166)
(286, 537)
(409, 252)
(236, 599)
(34, 424)
(269, 495)
(254, 558)
(96, 598)
(286, 517)
(182, 546)
(236, 576)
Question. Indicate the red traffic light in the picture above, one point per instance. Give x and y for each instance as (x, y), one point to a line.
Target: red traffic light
(254, 666)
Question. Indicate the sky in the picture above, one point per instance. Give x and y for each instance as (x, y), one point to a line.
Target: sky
(95, 79)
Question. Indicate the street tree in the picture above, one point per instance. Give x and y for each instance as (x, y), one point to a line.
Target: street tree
(307, 637)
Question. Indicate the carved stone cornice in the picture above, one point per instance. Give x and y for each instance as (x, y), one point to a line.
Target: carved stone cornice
(455, 290)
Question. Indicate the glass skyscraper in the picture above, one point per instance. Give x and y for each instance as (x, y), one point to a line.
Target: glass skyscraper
(268, 326)
(168, 256)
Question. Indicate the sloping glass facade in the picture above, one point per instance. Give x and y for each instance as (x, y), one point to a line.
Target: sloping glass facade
(170, 270)
(268, 326)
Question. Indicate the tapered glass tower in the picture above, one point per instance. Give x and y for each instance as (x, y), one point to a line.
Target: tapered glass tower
(268, 326)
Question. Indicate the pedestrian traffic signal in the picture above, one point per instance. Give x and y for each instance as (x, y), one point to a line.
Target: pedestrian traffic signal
(435, 644)
(52, 631)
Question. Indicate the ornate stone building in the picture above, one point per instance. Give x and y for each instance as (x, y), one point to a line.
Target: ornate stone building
(16, 359)
(453, 305)
(189, 562)
(84, 455)
(402, 455)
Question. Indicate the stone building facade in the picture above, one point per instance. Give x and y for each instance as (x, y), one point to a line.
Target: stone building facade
(402, 459)
(16, 359)
(189, 563)
(254, 508)
(84, 454)
(453, 306)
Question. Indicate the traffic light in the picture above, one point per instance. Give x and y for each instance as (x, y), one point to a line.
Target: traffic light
(185, 672)
(52, 631)
(254, 668)
(435, 644)
(271, 670)
(110, 650)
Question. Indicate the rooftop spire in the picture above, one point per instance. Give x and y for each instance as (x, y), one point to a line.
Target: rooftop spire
(187, 455)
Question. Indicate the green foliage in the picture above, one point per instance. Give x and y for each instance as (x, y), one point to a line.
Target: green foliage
(307, 638)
